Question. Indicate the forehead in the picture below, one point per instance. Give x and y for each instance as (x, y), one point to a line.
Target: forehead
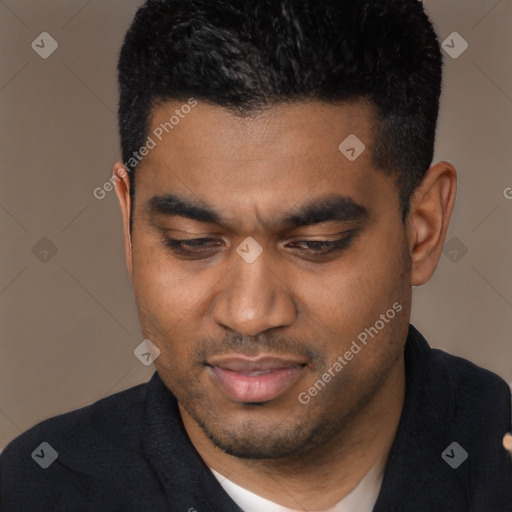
(273, 130)
(284, 155)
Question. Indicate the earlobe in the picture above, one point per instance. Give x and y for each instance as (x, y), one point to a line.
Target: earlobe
(122, 186)
(428, 220)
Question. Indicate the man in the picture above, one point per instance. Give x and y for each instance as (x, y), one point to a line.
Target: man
(279, 202)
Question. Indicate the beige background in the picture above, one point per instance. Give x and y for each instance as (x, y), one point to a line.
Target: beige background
(69, 325)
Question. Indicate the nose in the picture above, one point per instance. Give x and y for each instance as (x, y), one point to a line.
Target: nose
(254, 298)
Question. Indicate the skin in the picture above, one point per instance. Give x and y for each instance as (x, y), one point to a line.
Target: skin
(289, 301)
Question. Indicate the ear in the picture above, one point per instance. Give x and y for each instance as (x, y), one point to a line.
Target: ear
(429, 216)
(122, 186)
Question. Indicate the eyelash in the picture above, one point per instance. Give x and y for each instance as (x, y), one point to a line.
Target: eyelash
(334, 246)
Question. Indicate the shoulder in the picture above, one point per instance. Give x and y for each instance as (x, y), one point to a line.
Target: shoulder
(52, 451)
(469, 380)
(475, 411)
(475, 402)
(454, 380)
(97, 419)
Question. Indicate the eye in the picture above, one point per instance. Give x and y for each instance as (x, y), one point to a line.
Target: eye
(326, 247)
(198, 246)
(190, 246)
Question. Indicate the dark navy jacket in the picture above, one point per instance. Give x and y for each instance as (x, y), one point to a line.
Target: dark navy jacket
(129, 452)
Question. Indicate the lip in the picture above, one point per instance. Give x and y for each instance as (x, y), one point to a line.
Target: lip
(258, 379)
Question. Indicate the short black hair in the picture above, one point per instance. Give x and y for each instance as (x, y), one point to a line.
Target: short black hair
(246, 55)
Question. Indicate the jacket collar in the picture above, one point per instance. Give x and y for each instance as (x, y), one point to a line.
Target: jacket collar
(412, 478)
(188, 482)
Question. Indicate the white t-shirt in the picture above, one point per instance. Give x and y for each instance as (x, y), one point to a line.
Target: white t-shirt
(361, 499)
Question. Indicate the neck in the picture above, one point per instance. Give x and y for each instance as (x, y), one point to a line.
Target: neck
(320, 478)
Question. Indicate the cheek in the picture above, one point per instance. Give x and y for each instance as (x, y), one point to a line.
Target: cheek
(165, 304)
(157, 277)
(172, 296)
(355, 290)
(163, 293)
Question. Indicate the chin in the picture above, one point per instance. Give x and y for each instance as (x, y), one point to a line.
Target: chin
(251, 439)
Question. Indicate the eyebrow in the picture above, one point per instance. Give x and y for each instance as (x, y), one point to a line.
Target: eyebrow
(329, 208)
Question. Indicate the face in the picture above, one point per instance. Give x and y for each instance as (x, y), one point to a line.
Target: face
(293, 251)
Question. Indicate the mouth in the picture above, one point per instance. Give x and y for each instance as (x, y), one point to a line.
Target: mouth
(259, 379)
